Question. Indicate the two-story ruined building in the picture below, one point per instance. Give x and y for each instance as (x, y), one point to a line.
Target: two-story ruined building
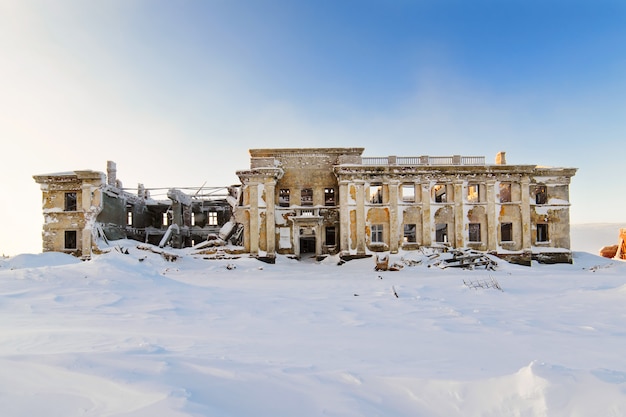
(80, 206)
(334, 200)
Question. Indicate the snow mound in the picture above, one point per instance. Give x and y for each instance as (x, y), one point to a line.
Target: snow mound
(39, 260)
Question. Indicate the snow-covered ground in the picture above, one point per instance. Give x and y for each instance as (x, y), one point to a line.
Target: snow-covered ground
(135, 335)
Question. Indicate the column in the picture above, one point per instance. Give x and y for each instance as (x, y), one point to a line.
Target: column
(253, 190)
(492, 220)
(393, 217)
(344, 218)
(459, 217)
(270, 222)
(525, 209)
(426, 220)
(360, 218)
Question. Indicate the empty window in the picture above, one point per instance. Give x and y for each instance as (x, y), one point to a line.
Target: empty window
(283, 197)
(330, 236)
(408, 193)
(129, 217)
(70, 201)
(541, 194)
(377, 233)
(505, 192)
(70, 239)
(441, 232)
(474, 232)
(473, 193)
(165, 220)
(306, 197)
(329, 196)
(542, 232)
(506, 232)
(212, 218)
(193, 218)
(439, 192)
(376, 194)
(410, 233)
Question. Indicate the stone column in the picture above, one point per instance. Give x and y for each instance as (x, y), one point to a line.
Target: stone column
(393, 217)
(525, 209)
(492, 219)
(270, 221)
(459, 218)
(426, 218)
(344, 218)
(253, 190)
(360, 218)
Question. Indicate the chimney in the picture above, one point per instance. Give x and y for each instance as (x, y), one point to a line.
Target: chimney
(111, 174)
(501, 158)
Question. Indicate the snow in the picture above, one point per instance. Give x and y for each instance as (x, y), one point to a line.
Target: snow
(135, 335)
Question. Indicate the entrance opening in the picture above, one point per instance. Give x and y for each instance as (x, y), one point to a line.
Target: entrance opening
(307, 244)
(307, 240)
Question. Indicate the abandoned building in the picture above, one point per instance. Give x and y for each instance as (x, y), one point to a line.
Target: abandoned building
(80, 206)
(335, 201)
(319, 201)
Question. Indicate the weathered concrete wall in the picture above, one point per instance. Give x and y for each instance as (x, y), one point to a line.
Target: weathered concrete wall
(78, 220)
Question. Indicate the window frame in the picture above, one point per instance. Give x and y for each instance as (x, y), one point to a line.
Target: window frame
(509, 228)
(377, 233)
(541, 194)
(375, 193)
(284, 197)
(408, 233)
(306, 197)
(68, 239)
(330, 231)
(329, 196)
(440, 197)
(471, 186)
(212, 219)
(506, 189)
(71, 201)
(411, 198)
(443, 233)
(474, 233)
(543, 233)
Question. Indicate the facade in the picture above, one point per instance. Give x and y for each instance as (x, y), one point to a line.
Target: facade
(320, 201)
(80, 206)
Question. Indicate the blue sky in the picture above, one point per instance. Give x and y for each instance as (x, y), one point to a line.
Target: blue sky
(176, 92)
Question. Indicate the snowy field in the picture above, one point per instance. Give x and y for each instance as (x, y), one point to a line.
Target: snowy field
(135, 335)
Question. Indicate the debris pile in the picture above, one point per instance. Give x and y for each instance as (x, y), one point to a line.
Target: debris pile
(466, 259)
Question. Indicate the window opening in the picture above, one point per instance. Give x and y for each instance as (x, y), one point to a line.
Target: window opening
(506, 232)
(283, 197)
(541, 194)
(70, 201)
(330, 236)
(329, 196)
(377, 233)
(212, 218)
(473, 193)
(193, 218)
(542, 232)
(474, 232)
(376, 194)
(439, 191)
(441, 233)
(410, 235)
(408, 193)
(306, 197)
(70, 239)
(505, 192)
(165, 220)
(129, 217)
